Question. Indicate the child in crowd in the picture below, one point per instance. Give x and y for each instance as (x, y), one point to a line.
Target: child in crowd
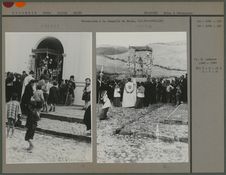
(45, 89)
(38, 98)
(117, 96)
(105, 107)
(13, 112)
(53, 96)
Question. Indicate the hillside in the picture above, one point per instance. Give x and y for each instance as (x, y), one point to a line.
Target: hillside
(110, 50)
(170, 59)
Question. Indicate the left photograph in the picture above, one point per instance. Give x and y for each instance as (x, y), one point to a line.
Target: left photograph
(47, 116)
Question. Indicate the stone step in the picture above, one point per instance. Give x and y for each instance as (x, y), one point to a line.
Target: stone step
(63, 129)
(76, 118)
(59, 134)
(65, 113)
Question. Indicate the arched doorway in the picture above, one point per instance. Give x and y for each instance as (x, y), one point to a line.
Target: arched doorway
(49, 55)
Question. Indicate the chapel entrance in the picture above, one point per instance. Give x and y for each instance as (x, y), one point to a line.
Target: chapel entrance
(49, 55)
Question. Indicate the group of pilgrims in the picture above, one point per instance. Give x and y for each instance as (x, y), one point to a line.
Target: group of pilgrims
(16, 83)
(131, 94)
(28, 96)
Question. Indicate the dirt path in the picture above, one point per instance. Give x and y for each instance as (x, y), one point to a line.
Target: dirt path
(48, 149)
(124, 148)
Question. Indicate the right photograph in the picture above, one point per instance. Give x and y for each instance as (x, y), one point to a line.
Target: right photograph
(142, 97)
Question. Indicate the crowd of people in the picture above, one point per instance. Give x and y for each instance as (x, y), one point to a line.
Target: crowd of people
(130, 93)
(28, 96)
(16, 83)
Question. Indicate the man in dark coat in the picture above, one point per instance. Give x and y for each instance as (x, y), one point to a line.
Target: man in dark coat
(110, 90)
(97, 90)
(23, 76)
(9, 86)
(63, 91)
(17, 86)
(53, 96)
(153, 91)
(158, 91)
(147, 92)
(184, 88)
(71, 87)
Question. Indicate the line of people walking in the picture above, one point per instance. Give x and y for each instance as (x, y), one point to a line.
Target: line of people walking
(130, 93)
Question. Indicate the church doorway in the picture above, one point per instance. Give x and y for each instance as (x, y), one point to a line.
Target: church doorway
(49, 56)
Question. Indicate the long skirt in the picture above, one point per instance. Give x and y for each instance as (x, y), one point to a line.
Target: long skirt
(116, 101)
(140, 102)
(87, 118)
(103, 114)
(69, 100)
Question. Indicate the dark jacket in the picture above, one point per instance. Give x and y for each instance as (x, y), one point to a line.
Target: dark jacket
(28, 93)
(53, 95)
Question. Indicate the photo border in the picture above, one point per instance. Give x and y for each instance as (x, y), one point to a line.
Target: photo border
(94, 71)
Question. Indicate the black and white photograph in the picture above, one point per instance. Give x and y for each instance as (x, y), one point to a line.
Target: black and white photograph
(48, 97)
(142, 97)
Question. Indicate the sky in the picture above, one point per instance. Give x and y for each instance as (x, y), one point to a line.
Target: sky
(137, 38)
